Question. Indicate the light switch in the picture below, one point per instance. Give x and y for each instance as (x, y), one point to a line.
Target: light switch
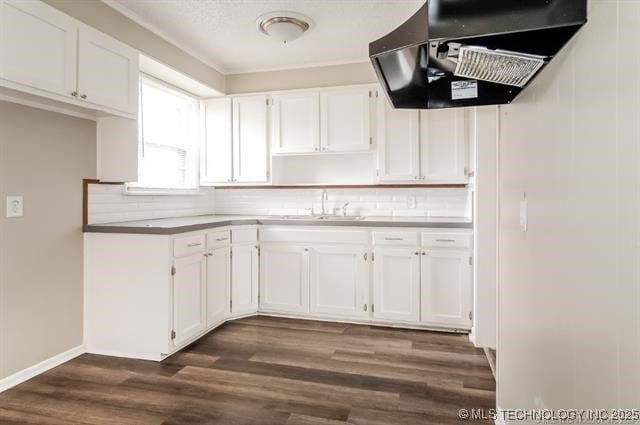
(15, 206)
(523, 213)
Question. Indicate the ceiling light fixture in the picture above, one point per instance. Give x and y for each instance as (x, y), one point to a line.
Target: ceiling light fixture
(284, 26)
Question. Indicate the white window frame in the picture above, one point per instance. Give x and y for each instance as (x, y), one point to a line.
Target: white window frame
(134, 188)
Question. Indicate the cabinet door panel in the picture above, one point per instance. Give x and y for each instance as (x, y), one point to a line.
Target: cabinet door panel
(398, 143)
(250, 139)
(38, 46)
(443, 145)
(296, 123)
(396, 284)
(345, 120)
(218, 285)
(244, 279)
(107, 71)
(446, 288)
(284, 278)
(217, 151)
(188, 298)
(339, 281)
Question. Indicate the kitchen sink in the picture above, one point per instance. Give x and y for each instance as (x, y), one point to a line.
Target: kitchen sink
(321, 217)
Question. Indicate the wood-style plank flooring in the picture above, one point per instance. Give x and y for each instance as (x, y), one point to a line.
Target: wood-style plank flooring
(264, 370)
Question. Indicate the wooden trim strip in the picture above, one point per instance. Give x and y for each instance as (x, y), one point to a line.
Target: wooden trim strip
(348, 186)
(85, 197)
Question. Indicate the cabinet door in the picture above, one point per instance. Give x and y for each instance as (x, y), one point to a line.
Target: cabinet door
(396, 284)
(244, 279)
(217, 150)
(446, 287)
(443, 145)
(218, 285)
(398, 143)
(284, 278)
(296, 123)
(107, 71)
(339, 281)
(38, 46)
(188, 297)
(250, 139)
(345, 119)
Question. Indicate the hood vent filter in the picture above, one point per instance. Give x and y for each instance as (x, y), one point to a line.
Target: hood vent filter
(496, 66)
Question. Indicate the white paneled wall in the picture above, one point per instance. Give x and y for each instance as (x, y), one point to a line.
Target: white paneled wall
(109, 203)
(366, 202)
(569, 292)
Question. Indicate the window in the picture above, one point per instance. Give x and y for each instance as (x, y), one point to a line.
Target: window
(168, 135)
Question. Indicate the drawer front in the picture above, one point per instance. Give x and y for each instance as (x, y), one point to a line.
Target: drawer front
(244, 235)
(446, 240)
(395, 238)
(218, 239)
(188, 245)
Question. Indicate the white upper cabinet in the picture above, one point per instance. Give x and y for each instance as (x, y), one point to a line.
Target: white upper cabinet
(443, 145)
(38, 46)
(107, 71)
(216, 152)
(295, 118)
(47, 53)
(250, 139)
(188, 298)
(446, 286)
(396, 283)
(284, 278)
(340, 281)
(345, 119)
(398, 142)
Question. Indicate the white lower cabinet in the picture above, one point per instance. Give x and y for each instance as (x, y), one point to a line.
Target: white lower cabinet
(339, 280)
(218, 285)
(188, 293)
(446, 288)
(284, 278)
(244, 279)
(396, 283)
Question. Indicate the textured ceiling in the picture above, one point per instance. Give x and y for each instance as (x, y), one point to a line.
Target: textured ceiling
(223, 32)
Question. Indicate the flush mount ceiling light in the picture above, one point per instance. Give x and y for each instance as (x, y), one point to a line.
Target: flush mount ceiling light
(284, 26)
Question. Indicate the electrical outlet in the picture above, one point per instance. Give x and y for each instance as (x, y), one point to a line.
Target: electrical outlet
(411, 202)
(15, 206)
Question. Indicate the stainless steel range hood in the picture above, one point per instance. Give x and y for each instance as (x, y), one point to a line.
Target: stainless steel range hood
(454, 53)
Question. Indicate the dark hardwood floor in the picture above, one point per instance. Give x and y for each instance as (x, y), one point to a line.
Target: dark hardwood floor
(263, 370)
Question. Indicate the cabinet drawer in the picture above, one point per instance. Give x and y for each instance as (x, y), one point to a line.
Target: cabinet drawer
(395, 238)
(188, 245)
(218, 239)
(244, 235)
(446, 240)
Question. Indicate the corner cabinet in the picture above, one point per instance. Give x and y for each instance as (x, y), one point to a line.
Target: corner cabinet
(250, 139)
(46, 53)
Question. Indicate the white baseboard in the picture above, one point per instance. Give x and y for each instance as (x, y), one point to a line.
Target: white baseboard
(35, 370)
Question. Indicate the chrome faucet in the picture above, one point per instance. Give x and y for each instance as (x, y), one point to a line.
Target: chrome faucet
(325, 198)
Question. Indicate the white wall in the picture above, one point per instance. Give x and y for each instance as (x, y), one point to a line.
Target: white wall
(569, 291)
(109, 203)
(366, 202)
(485, 222)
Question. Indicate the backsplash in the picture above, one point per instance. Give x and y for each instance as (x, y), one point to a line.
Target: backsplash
(365, 202)
(109, 203)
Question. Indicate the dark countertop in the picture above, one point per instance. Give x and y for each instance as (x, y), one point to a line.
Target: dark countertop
(172, 226)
